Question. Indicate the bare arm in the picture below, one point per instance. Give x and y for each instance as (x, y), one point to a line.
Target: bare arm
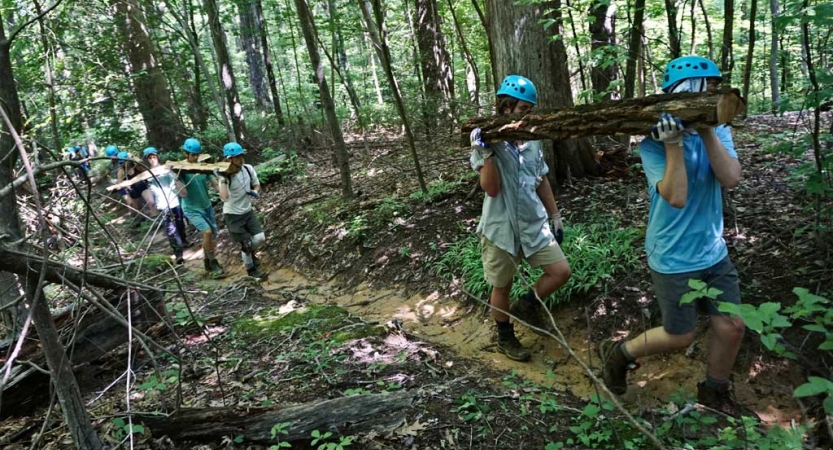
(726, 168)
(544, 192)
(490, 178)
(223, 189)
(674, 184)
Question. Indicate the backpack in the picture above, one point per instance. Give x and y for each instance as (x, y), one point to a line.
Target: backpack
(248, 172)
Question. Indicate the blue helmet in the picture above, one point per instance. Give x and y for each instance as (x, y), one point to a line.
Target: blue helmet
(150, 151)
(123, 157)
(70, 150)
(111, 151)
(192, 146)
(688, 67)
(232, 149)
(520, 88)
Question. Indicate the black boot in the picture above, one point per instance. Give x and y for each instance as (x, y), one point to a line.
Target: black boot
(509, 345)
(614, 366)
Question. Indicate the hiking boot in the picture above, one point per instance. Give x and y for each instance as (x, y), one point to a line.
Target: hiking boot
(215, 269)
(253, 272)
(510, 346)
(723, 400)
(532, 313)
(206, 264)
(255, 260)
(614, 366)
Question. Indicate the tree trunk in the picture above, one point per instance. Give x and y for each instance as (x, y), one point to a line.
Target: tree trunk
(673, 30)
(260, 22)
(378, 36)
(153, 95)
(747, 70)
(726, 55)
(522, 46)
(634, 45)
(603, 47)
(224, 70)
(341, 53)
(472, 74)
(437, 74)
(577, 47)
(708, 29)
(250, 33)
(773, 58)
(634, 116)
(47, 65)
(382, 413)
(308, 29)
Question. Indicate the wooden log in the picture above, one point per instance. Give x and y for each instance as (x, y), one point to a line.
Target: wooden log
(614, 117)
(146, 175)
(382, 413)
(93, 337)
(186, 167)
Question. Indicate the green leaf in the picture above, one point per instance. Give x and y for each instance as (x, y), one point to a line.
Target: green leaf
(826, 345)
(828, 405)
(239, 439)
(814, 386)
(815, 327)
(769, 340)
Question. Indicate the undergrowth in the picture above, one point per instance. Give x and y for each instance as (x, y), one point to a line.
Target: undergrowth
(596, 252)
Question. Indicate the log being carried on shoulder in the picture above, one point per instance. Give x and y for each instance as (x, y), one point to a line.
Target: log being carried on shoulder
(175, 166)
(633, 116)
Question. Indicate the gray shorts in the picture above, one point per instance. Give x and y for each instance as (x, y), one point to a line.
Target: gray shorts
(669, 288)
(242, 227)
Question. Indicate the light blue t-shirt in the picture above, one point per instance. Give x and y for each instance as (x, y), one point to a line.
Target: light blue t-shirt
(689, 238)
(516, 220)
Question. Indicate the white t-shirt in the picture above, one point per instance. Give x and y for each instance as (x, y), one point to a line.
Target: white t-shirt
(238, 184)
(164, 191)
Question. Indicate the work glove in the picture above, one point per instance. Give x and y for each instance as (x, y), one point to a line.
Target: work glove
(557, 227)
(669, 129)
(254, 194)
(482, 148)
(217, 173)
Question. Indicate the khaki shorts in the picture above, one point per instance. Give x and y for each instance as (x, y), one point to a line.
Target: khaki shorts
(499, 266)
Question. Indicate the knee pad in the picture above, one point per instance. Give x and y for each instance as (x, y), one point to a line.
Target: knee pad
(258, 240)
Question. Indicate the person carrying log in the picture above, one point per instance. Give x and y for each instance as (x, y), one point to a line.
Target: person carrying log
(520, 219)
(138, 190)
(237, 189)
(196, 204)
(166, 189)
(686, 169)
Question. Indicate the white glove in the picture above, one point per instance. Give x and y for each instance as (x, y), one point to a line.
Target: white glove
(557, 227)
(669, 129)
(476, 139)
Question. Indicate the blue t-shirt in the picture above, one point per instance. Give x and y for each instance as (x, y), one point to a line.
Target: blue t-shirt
(689, 238)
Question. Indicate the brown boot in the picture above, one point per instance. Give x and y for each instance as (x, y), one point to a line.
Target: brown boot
(723, 400)
(531, 312)
(510, 346)
(614, 366)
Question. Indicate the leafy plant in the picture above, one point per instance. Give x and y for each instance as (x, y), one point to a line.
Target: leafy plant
(275, 170)
(436, 189)
(278, 430)
(324, 443)
(121, 429)
(182, 316)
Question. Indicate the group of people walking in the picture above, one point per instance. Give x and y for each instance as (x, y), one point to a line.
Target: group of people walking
(174, 197)
(686, 168)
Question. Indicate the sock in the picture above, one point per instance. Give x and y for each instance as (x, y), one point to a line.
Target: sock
(713, 383)
(504, 326)
(247, 260)
(625, 353)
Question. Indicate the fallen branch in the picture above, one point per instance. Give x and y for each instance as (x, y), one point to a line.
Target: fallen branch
(613, 117)
(382, 413)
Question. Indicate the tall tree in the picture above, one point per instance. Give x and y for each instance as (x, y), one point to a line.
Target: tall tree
(340, 52)
(773, 57)
(727, 61)
(603, 46)
(750, 52)
(75, 415)
(196, 107)
(472, 74)
(250, 34)
(673, 29)
(710, 39)
(522, 46)
(224, 70)
(634, 46)
(267, 60)
(437, 74)
(305, 19)
(374, 19)
(153, 95)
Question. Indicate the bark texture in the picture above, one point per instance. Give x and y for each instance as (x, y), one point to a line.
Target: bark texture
(622, 117)
(634, 47)
(603, 46)
(522, 46)
(345, 415)
(225, 71)
(726, 55)
(437, 74)
(250, 33)
(153, 94)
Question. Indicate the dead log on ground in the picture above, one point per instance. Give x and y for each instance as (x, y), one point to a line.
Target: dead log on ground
(94, 336)
(634, 116)
(382, 413)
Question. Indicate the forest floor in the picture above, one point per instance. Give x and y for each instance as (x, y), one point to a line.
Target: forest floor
(355, 303)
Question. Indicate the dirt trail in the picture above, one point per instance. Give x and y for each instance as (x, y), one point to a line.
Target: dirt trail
(463, 328)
